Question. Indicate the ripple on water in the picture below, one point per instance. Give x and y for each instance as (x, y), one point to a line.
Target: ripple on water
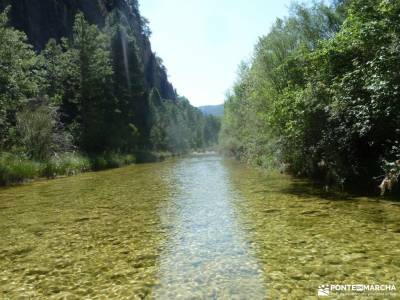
(207, 255)
(193, 228)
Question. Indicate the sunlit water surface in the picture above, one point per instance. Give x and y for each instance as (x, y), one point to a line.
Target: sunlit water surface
(194, 228)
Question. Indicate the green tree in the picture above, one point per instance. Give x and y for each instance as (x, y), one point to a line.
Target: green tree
(95, 75)
(40, 131)
(19, 79)
(321, 96)
(130, 123)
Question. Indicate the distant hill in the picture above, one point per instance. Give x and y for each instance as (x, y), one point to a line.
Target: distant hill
(215, 110)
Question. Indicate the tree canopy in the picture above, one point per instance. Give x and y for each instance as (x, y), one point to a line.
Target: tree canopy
(320, 94)
(93, 90)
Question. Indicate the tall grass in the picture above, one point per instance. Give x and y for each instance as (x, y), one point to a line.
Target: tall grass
(66, 164)
(17, 168)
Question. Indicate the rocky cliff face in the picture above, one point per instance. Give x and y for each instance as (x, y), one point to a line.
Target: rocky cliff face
(45, 19)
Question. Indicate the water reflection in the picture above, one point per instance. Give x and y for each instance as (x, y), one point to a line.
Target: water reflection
(207, 256)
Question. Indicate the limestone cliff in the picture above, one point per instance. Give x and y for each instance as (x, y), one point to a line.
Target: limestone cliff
(45, 19)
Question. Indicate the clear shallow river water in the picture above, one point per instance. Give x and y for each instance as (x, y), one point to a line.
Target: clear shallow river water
(194, 228)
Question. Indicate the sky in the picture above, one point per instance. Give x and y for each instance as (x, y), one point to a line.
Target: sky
(202, 42)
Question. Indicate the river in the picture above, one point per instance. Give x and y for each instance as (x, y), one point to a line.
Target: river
(200, 227)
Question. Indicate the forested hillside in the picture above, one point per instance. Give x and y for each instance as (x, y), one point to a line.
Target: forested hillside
(214, 110)
(80, 88)
(320, 96)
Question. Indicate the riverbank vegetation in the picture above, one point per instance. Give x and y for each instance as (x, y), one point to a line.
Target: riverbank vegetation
(84, 102)
(320, 96)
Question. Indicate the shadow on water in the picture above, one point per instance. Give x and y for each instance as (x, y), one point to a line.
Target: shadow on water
(302, 187)
(311, 191)
(306, 189)
(197, 227)
(304, 238)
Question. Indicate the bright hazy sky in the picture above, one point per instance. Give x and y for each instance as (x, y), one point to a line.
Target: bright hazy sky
(202, 42)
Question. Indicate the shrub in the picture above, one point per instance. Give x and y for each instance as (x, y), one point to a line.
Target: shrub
(66, 164)
(40, 131)
(17, 168)
(110, 160)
